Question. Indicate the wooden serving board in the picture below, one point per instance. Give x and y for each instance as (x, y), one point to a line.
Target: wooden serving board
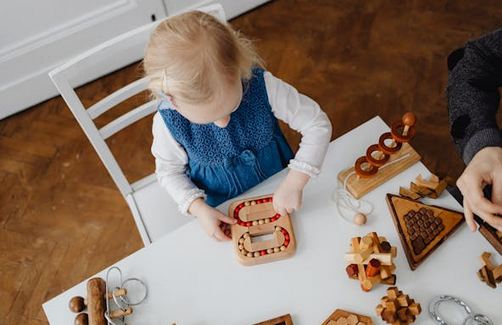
(360, 186)
(449, 219)
(338, 315)
(256, 219)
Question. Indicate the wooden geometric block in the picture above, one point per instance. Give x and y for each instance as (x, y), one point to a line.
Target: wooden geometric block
(489, 273)
(257, 219)
(370, 261)
(359, 186)
(281, 320)
(421, 227)
(340, 316)
(397, 308)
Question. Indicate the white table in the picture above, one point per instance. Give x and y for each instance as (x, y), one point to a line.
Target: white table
(194, 280)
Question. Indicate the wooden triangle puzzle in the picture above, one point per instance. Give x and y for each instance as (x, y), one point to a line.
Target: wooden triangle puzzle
(421, 227)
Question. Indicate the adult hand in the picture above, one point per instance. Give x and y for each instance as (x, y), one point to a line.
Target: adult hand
(485, 168)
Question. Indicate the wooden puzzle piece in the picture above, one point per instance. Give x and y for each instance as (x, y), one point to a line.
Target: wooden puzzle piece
(489, 273)
(397, 308)
(421, 227)
(281, 320)
(371, 261)
(432, 187)
(384, 160)
(343, 317)
(493, 236)
(260, 235)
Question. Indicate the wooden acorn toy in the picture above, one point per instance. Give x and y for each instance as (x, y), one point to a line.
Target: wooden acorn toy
(96, 304)
(383, 160)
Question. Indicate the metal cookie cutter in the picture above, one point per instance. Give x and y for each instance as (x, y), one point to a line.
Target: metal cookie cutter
(471, 319)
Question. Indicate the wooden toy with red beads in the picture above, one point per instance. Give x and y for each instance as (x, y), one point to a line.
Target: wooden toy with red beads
(370, 260)
(389, 157)
(257, 218)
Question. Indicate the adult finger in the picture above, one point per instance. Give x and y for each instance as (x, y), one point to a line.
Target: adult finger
(478, 201)
(469, 217)
(494, 221)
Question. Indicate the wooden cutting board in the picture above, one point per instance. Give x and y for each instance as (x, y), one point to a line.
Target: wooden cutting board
(421, 227)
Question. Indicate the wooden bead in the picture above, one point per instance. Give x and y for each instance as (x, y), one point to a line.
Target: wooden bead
(267, 220)
(276, 250)
(409, 119)
(246, 203)
(283, 248)
(77, 304)
(261, 222)
(360, 219)
(249, 255)
(255, 223)
(82, 319)
(241, 240)
(270, 251)
(253, 202)
(256, 254)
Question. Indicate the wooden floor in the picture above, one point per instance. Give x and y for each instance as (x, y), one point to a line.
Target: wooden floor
(61, 217)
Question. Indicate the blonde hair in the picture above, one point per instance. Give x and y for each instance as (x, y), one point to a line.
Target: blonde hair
(188, 54)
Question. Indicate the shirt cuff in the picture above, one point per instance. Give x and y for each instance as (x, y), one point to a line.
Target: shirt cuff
(481, 139)
(189, 197)
(303, 167)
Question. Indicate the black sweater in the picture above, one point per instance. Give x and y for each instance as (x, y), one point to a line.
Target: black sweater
(475, 73)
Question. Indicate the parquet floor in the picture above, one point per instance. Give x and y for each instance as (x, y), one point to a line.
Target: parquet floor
(61, 217)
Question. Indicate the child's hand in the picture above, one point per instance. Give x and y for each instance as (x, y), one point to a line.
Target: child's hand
(288, 196)
(211, 219)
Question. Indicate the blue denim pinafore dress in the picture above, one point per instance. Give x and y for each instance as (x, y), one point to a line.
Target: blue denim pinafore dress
(225, 162)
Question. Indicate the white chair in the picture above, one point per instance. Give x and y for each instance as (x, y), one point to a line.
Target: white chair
(155, 213)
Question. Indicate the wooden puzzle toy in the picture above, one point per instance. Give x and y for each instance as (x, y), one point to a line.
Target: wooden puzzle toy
(370, 260)
(281, 320)
(491, 234)
(432, 187)
(489, 273)
(257, 220)
(382, 161)
(421, 227)
(99, 298)
(343, 317)
(471, 317)
(397, 308)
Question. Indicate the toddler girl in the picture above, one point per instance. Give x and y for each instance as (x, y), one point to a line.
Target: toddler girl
(216, 132)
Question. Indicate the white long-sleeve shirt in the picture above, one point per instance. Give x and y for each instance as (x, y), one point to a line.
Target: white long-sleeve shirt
(299, 111)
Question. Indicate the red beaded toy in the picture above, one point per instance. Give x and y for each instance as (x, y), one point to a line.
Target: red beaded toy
(256, 218)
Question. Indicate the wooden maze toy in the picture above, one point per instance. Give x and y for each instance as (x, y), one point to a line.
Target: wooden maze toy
(397, 308)
(491, 234)
(256, 219)
(281, 320)
(421, 227)
(96, 304)
(343, 317)
(384, 160)
(489, 273)
(371, 261)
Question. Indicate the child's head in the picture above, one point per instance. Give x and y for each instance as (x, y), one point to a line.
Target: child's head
(199, 62)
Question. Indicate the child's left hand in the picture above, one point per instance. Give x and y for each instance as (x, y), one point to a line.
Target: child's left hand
(288, 196)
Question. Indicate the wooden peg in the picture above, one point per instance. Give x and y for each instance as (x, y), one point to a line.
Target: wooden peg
(409, 119)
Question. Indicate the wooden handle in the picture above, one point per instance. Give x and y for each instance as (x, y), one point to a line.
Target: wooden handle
(96, 304)
(120, 313)
(117, 293)
(409, 119)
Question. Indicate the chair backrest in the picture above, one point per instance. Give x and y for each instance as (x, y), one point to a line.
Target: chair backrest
(130, 43)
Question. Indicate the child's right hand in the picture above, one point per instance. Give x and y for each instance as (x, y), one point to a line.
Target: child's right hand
(210, 219)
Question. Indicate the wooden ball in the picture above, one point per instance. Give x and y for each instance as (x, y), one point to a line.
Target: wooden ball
(77, 304)
(82, 319)
(360, 219)
(409, 119)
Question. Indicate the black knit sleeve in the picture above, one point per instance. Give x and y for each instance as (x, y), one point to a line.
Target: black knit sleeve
(473, 96)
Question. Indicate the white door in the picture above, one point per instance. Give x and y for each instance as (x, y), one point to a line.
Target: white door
(36, 36)
(232, 8)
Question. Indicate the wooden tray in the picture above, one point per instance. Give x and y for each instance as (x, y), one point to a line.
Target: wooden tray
(340, 313)
(400, 206)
